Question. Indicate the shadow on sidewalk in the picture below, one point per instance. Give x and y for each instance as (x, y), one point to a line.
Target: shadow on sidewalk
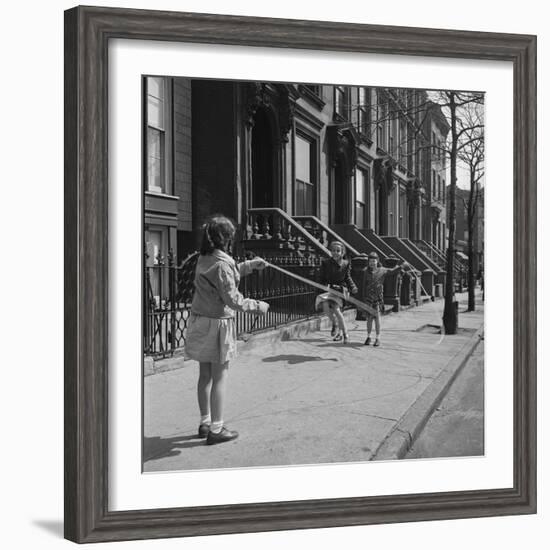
(158, 447)
(296, 359)
(330, 344)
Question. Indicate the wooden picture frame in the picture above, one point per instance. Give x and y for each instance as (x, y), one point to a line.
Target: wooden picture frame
(87, 34)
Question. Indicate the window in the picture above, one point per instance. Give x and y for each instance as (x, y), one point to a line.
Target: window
(155, 241)
(340, 107)
(157, 135)
(402, 144)
(393, 131)
(379, 137)
(313, 89)
(382, 123)
(362, 207)
(363, 111)
(305, 165)
(439, 190)
(392, 213)
(403, 217)
(434, 186)
(410, 147)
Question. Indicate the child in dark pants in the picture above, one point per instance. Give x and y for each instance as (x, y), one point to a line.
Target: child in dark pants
(374, 293)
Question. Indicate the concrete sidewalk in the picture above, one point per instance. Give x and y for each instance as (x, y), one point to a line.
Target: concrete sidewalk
(310, 400)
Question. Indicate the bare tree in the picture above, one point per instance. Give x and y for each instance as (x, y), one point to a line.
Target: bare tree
(456, 104)
(472, 154)
(466, 131)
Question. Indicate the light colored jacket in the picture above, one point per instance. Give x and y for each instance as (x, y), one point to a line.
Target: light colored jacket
(217, 295)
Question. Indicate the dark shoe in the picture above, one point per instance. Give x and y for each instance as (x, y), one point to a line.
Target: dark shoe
(338, 337)
(376, 343)
(221, 437)
(367, 341)
(203, 430)
(333, 331)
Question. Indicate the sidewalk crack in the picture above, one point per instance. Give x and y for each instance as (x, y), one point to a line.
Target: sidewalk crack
(375, 416)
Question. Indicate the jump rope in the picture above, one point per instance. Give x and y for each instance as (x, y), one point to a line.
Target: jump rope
(358, 303)
(344, 296)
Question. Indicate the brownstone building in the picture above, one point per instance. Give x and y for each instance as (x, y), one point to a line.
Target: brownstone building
(295, 166)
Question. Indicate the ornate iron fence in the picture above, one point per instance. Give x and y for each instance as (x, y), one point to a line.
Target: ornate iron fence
(168, 294)
(288, 299)
(169, 291)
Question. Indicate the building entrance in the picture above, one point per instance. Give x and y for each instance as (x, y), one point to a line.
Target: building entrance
(263, 162)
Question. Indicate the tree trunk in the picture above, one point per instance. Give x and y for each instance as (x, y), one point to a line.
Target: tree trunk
(471, 267)
(471, 251)
(450, 313)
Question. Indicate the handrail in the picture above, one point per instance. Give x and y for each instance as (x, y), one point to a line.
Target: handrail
(296, 227)
(432, 253)
(334, 236)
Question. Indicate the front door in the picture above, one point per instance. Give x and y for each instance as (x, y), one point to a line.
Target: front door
(263, 162)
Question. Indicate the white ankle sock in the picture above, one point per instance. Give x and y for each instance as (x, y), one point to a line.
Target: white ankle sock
(205, 419)
(216, 427)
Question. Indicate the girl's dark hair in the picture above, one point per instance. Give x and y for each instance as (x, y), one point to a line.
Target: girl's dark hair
(217, 233)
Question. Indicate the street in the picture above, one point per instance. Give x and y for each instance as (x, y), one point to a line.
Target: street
(456, 427)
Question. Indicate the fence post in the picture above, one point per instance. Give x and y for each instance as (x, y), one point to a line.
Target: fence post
(172, 299)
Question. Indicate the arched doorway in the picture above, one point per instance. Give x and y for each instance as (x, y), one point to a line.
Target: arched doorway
(264, 166)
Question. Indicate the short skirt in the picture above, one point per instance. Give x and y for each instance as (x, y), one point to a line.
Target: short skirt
(329, 298)
(210, 340)
(378, 305)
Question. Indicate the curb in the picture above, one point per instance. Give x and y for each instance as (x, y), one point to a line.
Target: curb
(400, 439)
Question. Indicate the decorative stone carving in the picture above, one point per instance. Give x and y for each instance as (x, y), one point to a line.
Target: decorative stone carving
(383, 174)
(280, 99)
(287, 106)
(343, 144)
(414, 192)
(255, 96)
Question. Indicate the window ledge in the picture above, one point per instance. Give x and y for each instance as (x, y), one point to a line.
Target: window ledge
(311, 97)
(162, 195)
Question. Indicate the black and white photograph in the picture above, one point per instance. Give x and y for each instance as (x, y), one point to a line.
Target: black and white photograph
(313, 273)
(274, 275)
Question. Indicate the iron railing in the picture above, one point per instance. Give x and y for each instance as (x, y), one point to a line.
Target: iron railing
(167, 300)
(288, 299)
(169, 292)
(274, 229)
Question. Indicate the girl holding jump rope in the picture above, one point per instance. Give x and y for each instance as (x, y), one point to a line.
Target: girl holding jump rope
(211, 335)
(374, 293)
(336, 273)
